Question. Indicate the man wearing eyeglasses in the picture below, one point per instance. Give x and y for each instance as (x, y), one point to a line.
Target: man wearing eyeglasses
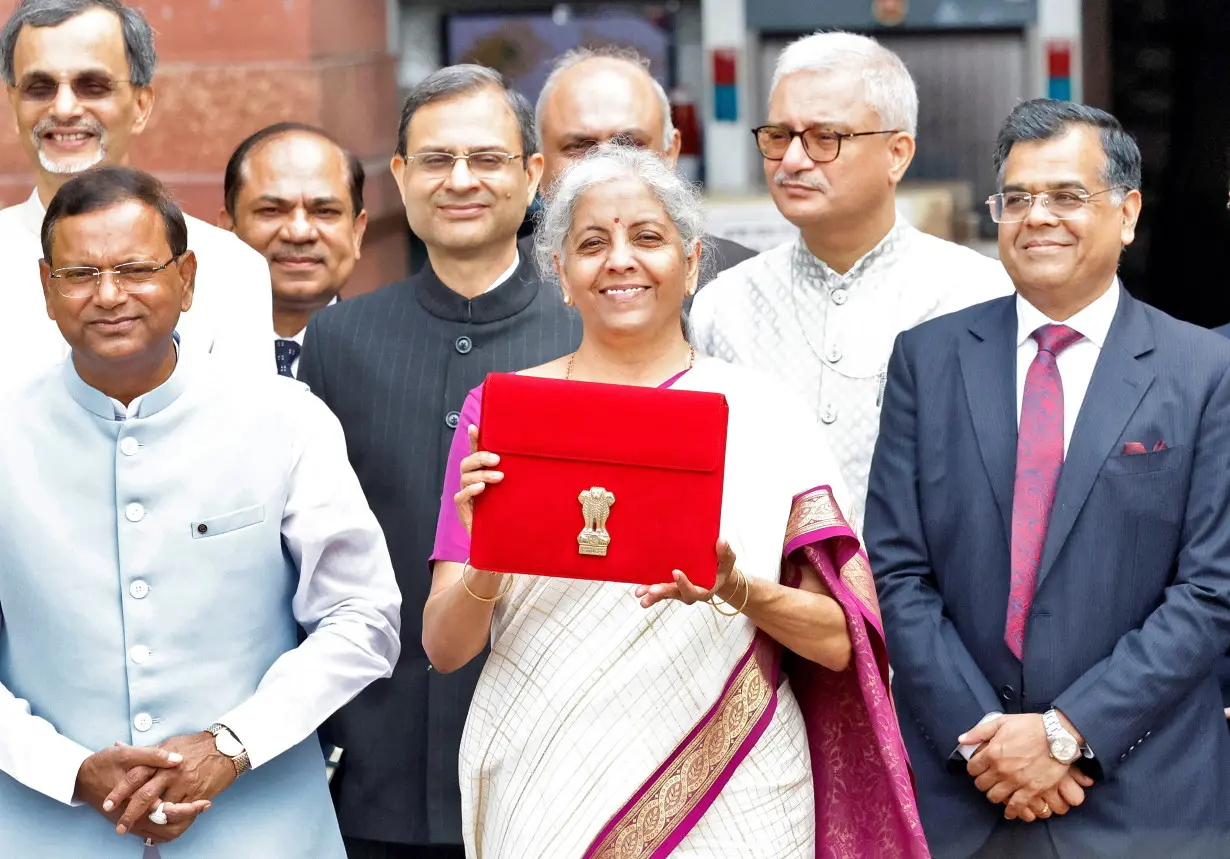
(78, 75)
(395, 366)
(821, 312)
(1046, 521)
(172, 526)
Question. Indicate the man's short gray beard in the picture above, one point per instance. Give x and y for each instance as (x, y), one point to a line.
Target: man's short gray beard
(70, 168)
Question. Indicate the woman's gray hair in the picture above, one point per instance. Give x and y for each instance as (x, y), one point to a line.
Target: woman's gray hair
(610, 162)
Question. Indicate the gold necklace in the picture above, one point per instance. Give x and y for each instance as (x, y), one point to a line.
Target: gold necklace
(573, 357)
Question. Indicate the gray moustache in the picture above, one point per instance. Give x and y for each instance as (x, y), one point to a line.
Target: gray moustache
(90, 127)
(781, 178)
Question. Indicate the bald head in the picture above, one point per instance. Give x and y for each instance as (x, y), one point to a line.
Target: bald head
(591, 98)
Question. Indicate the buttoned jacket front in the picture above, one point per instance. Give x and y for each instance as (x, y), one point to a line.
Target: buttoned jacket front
(147, 591)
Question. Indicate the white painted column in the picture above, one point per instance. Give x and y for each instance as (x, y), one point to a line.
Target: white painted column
(1057, 19)
(728, 148)
(418, 36)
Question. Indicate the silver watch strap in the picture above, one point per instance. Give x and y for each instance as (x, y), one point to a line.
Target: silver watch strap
(242, 762)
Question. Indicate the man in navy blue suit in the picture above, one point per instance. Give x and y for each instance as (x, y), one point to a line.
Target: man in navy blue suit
(1223, 671)
(1047, 522)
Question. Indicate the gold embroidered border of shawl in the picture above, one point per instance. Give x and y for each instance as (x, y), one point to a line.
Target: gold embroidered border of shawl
(675, 793)
(816, 510)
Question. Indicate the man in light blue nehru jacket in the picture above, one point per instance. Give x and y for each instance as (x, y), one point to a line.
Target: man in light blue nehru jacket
(168, 525)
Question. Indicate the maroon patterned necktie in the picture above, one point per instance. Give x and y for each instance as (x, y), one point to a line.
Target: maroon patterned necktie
(1039, 459)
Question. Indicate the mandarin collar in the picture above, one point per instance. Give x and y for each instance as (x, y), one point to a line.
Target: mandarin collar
(815, 270)
(95, 401)
(509, 299)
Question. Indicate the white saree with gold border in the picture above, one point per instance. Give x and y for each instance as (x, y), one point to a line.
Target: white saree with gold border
(601, 730)
(585, 694)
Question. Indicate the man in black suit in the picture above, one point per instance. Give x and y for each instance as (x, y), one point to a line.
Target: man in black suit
(295, 195)
(395, 366)
(594, 95)
(1047, 525)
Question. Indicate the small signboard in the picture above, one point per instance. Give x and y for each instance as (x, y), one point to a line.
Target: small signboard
(725, 86)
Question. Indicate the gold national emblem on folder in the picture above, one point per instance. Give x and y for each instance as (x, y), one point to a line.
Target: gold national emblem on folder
(596, 508)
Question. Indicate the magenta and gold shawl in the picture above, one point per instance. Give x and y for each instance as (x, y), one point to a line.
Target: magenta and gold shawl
(865, 804)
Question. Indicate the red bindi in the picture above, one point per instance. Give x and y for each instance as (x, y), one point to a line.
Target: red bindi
(617, 220)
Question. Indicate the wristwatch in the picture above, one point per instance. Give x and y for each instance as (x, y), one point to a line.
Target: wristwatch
(229, 745)
(1064, 747)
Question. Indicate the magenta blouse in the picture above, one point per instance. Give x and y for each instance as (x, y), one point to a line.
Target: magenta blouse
(452, 541)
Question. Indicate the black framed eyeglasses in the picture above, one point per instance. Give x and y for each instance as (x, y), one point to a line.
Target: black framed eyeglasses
(134, 278)
(821, 145)
(87, 86)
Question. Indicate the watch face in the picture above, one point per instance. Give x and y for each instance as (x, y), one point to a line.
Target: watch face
(227, 744)
(1064, 749)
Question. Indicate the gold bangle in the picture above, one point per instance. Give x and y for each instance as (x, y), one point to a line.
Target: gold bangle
(747, 591)
(740, 579)
(503, 593)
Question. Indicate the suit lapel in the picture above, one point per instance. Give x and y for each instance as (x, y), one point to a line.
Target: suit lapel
(988, 367)
(1118, 384)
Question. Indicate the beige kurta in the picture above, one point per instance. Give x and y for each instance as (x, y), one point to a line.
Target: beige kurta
(829, 336)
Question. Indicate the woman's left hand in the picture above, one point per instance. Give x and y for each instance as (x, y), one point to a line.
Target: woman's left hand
(687, 593)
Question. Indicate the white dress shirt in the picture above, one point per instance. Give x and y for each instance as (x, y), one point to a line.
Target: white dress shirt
(1075, 363)
(508, 272)
(286, 450)
(231, 306)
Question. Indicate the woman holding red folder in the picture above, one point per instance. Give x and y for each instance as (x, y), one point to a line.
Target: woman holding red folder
(614, 722)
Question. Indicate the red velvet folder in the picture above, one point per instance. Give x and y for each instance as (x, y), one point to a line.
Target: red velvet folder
(601, 482)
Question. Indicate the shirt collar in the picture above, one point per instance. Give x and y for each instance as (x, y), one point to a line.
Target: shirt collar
(508, 272)
(148, 404)
(298, 335)
(1093, 321)
(816, 270)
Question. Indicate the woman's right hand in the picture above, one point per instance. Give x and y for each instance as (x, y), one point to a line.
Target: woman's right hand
(476, 473)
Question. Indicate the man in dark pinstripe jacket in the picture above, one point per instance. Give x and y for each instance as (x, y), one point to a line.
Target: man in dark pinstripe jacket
(395, 367)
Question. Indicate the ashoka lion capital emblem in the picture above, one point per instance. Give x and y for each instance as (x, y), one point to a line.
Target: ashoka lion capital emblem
(596, 508)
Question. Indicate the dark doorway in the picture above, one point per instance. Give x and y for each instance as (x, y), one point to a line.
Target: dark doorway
(1167, 70)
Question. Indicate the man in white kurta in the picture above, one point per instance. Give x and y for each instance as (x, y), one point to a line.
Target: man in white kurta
(822, 312)
(170, 526)
(78, 101)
